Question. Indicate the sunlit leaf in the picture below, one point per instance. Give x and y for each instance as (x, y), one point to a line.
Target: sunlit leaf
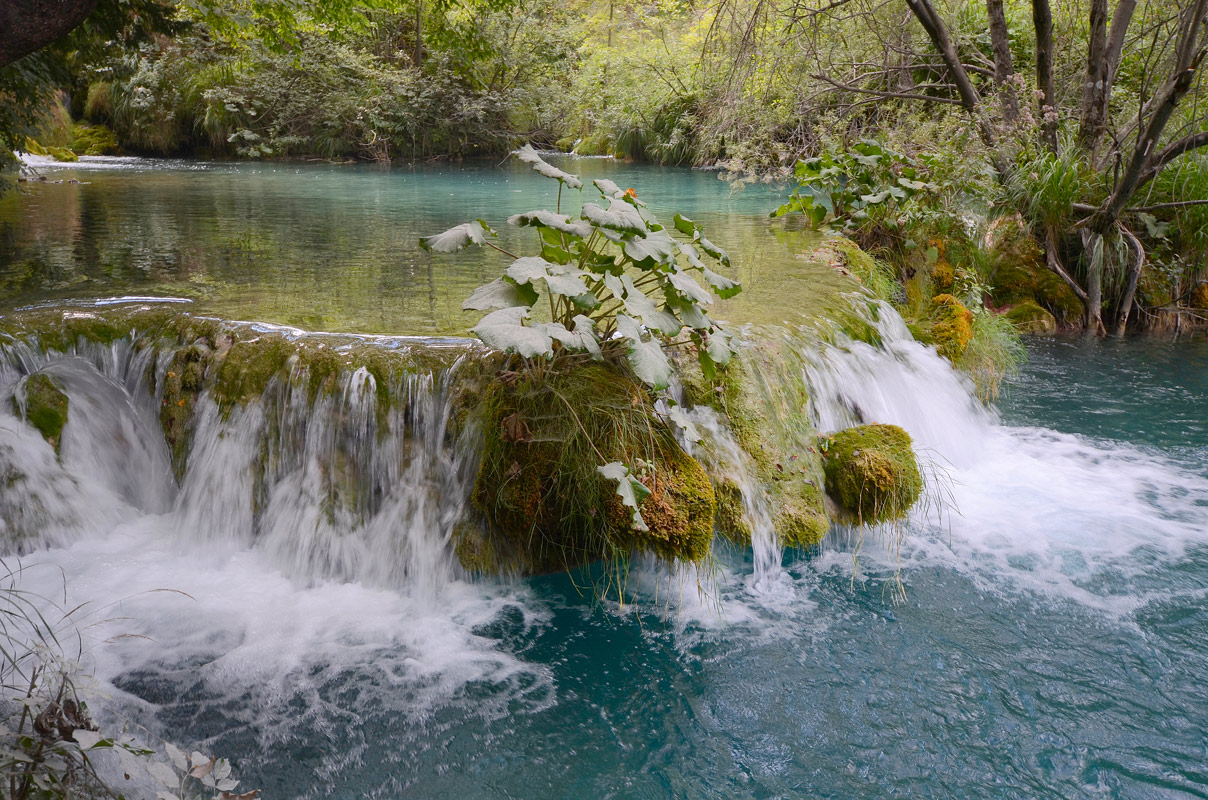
(657, 246)
(457, 238)
(608, 188)
(499, 293)
(620, 217)
(582, 338)
(647, 358)
(504, 330)
(724, 287)
(629, 489)
(548, 219)
(560, 278)
(654, 318)
(712, 249)
(529, 156)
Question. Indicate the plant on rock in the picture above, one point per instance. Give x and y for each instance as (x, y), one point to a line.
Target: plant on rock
(613, 286)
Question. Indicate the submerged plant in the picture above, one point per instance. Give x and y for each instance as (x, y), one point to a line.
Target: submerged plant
(618, 287)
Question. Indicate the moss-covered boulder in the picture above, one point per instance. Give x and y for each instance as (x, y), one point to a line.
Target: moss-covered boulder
(951, 326)
(1029, 318)
(548, 507)
(45, 407)
(872, 472)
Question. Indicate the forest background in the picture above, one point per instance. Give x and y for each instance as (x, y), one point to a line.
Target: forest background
(1009, 154)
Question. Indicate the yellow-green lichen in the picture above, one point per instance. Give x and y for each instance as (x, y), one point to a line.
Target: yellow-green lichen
(731, 514)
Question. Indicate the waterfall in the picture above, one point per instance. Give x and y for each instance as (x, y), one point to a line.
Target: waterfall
(329, 485)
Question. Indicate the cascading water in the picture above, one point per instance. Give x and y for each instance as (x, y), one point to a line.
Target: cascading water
(328, 643)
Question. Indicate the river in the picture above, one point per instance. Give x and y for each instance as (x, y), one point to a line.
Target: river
(1050, 643)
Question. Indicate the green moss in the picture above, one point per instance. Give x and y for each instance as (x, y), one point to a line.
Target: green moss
(943, 275)
(93, 140)
(800, 516)
(248, 367)
(538, 484)
(184, 381)
(61, 154)
(951, 327)
(731, 514)
(872, 473)
(1030, 318)
(33, 148)
(45, 407)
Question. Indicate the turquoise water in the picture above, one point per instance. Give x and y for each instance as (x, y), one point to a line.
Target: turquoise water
(325, 247)
(1051, 643)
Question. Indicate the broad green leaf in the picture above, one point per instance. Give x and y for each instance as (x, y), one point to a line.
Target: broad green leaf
(693, 257)
(647, 359)
(680, 420)
(874, 199)
(654, 318)
(87, 739)
(529, 156)
(684, 225)
(500, 293)
(560, 278)
(620, 217)
(629, 489)
(657, 246)
(683, 283)
(608, 188)
(548, 219)
(457, 238)
(582, 338)
(712, 249)
(724, 287)
(689, 312)
(719, 347)
(505, 330)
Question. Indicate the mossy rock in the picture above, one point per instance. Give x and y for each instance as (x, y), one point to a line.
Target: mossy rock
(45, 407)
(1030, 318)
(943, 276)
(731, 513)
(33, 148)
(538, 484)
(1199, 296)
(599, 143)
(951, 327)
(93, 140)
(61, 154)
(872, 472)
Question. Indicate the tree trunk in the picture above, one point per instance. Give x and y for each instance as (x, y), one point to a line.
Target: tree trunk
(1103, 59)
(29, 25)
(1004, 69)
(1130, 290)
(1042, 19)
(1092, 249)
(926, 14)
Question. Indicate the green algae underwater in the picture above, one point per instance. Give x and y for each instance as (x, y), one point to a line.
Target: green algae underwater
(1050, 643)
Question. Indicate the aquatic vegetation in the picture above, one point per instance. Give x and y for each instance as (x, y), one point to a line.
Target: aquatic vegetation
(872, 472)
(539, 485)
(620, 289)
(41, 401)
